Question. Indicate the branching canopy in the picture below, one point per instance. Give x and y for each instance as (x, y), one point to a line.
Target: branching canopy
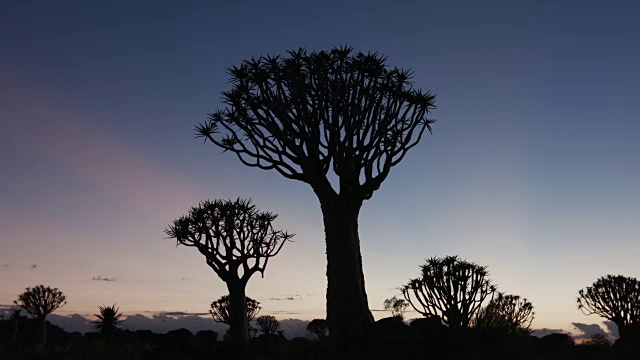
(396, 306)
(507, 314)
(236, 239)
(268, 324)
(40, 301)
(450, 288)
(318, 327)
(616, 298)
(309, 112)
(220, 309)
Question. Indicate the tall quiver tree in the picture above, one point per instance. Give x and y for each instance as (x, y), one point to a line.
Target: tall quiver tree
(237, 241)
(40, 301)
(616, 298)
(307, 114)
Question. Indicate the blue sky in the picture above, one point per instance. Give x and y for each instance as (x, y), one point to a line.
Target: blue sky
(532, 169)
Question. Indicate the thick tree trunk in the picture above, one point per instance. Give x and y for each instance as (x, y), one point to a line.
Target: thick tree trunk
(348, 315)
(239, 325)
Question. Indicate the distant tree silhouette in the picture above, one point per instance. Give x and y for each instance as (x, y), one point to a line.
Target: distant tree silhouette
(506, 314)
(237, 241)
(15, 318)
(108, 320)
(318, 327)
(221, 309)
(311, 112)
(597, 340)
(396, 306)
(616, 298)
(268, 324)
(40, 301)
(450, 288)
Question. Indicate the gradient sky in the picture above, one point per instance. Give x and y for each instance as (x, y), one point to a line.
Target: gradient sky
(533, 167)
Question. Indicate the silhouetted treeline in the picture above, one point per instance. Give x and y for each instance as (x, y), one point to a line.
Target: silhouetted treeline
(388, 338)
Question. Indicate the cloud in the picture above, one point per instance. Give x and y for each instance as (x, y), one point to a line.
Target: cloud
(166, 321)
(544, 332)
(588, 330)
(100, 278)
(287, 298)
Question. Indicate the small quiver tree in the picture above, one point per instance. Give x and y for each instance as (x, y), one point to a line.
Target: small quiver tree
(616, 298)
(318, 327)
(40, 301)
(237, 241)
(221, 309)
(268, 324)
(396, 306)
(505, 314)
(108, 321)
(450, 288)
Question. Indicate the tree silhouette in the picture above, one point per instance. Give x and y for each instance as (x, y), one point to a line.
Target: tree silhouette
(450, 288)
(268, 324)
(396, 306)
(505, 314)
(318, 327)
(108, 320)
(40, 301)
(220, 309)
(616, 298)
(237, 241)
(15, 318)
(310, 113)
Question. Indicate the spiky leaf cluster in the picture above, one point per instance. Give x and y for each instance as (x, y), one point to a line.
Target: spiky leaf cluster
(109, 319)
(505, 314)
(450, 288)
(40, 301)
(221, 309)
(309, 112)
(236, 239)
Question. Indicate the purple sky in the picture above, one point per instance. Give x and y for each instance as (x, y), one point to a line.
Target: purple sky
(532, 169)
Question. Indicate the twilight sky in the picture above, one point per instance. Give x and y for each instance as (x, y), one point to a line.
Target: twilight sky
(533, 167)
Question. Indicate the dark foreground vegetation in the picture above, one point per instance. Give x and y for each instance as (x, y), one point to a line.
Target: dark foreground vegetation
(389, 338)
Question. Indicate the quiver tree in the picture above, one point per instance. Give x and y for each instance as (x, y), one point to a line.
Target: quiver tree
(108, 321)
(237, 241)
(450, 288)
(505, 314)
(310, 113)
(318, 327)
(221, 309)
(40, 301)
(268, 324)
(396, 306)
(616, 298)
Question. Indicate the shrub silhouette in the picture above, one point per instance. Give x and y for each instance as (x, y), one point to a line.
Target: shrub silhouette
(616, 298)
(237, 241)
(505, 314)
(40, 301)
(268, 324)
(318, 327)
(396, 306)
(450, 288)
(309, 113)
(108, 320)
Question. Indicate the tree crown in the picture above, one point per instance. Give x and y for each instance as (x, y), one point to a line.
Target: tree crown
(236, 239)
(309, 112)
(41, 301)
